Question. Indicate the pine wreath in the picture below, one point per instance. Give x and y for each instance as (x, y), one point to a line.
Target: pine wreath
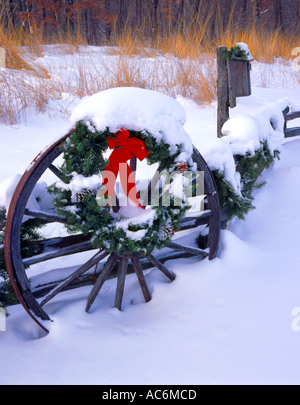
(76, 197)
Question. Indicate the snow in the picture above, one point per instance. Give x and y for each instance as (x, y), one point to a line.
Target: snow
(138, 110)
(232, 320)
(245, 48)
(7, 188)
(137, 216)
(78, 183)
(243, 134)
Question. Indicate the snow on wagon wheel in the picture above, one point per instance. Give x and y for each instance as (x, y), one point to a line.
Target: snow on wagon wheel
(145, 129)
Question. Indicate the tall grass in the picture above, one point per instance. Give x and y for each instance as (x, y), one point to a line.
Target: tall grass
(265, 46)
(181, 62)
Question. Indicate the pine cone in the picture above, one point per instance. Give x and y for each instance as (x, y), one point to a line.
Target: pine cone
(83, 193)
(165, 231)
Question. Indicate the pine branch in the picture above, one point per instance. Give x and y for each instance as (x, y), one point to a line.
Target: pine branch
(250, 168)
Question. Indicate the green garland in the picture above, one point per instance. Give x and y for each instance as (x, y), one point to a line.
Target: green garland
(250, 168)
(83, 155)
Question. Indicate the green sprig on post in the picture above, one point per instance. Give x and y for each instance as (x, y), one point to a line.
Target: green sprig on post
(235, 52)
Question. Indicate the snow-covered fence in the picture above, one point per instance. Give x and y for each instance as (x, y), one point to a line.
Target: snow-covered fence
(289, 116)
(234, 67)
(250, 142)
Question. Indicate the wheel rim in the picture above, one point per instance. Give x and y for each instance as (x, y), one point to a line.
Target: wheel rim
(17, 210)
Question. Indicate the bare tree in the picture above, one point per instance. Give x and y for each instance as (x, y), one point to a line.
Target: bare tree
(94, 19)
(278, 15)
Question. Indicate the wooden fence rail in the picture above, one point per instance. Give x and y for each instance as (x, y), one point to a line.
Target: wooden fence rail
(289, 116)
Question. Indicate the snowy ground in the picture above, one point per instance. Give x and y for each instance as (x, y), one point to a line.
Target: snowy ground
(232, 320)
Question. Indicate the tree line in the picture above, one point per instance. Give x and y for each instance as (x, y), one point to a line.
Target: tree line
(95, 21)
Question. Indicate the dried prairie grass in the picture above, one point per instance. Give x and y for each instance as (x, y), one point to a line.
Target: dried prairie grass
(181, 63)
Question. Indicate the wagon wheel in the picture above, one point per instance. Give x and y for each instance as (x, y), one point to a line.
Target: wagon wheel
(66, 245)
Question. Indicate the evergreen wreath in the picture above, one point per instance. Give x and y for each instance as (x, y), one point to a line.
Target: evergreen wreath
(83, 159)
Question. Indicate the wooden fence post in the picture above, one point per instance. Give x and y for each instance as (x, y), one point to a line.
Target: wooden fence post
(223, 90)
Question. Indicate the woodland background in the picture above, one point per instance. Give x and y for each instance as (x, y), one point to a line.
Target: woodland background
(163, 45)
(96, 22)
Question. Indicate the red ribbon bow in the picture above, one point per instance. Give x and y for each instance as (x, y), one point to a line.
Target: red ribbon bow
(124, 148)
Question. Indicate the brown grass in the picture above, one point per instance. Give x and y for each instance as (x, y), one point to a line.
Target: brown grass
(264, 46)
(179, 63)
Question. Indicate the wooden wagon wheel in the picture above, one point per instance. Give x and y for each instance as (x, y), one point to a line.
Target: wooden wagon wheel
(66, 245)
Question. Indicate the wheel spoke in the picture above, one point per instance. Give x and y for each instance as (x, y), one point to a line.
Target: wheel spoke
(123, 265)
(57, 172)
(146, 195)
(132, 164)
(188, 249)
(52, 254)
(202, 214)
(109, 265)
(82, 269)
(171, 276)
(56, 247)
(86, 280)
(193, 225)
(46, 216)
(193, 222)
(116, 207)
(140, 275)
